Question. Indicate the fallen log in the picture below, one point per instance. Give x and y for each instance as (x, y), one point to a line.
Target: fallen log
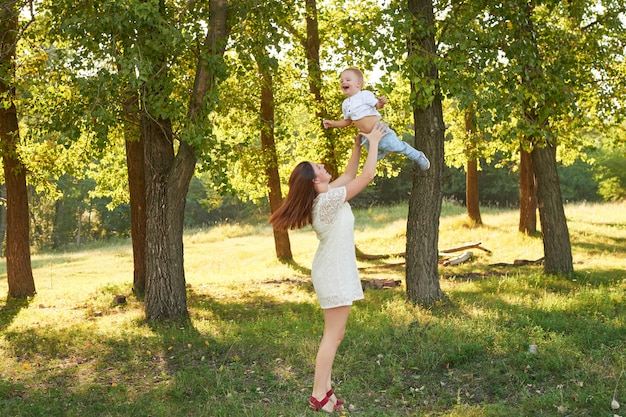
(366, 257)
(378, 283)
(475, 245)
(458, 259)
(443, 252)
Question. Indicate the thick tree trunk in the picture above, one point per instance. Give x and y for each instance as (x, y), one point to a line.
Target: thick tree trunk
(527, 194)
(556, 243)
(167, 182)
(422, 277)
(165, 276)
(19, 269)
(137, 189)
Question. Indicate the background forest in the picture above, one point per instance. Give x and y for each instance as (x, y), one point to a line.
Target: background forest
(72, 95)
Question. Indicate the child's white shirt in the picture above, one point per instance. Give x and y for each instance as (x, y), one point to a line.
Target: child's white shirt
(360, 105)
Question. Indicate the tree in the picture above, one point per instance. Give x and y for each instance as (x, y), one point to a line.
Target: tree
(422, 276)
(330, 154)
(472, 200)
(168, 177)
(143, 52)
(258, 39)
(268, 148)
(311, 45)
(19, 270)
(557, 247)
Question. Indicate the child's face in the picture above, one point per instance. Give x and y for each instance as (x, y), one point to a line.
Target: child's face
(350, 83)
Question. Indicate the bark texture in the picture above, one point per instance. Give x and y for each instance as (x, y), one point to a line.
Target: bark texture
(556, 243)
(137, 189)
(268, 145)
(18, 264)
(167, 181)
(422, 277)
(312, 46)
(472, 194)
(165, 296)
(527, 194)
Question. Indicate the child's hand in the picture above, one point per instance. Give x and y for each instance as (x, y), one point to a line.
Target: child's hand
(381, 102)
(327, 123)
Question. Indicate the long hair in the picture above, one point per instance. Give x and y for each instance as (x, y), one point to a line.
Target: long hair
(296, 210)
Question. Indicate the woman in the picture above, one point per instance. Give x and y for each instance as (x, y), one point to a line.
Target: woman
(314, 199)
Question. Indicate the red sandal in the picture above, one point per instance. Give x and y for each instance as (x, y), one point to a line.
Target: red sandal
(339, 404)
(315, 405)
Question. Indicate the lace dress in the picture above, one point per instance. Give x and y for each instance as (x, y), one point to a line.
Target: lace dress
(334, 271)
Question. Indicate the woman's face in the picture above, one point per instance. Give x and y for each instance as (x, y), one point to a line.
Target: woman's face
(320, 173)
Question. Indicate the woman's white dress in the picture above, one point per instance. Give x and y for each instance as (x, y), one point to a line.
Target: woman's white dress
(334, 271)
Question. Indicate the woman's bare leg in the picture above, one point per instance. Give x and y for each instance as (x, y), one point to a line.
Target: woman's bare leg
(335, 320)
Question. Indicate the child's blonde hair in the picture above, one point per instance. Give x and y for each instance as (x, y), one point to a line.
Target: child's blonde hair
(358, 73)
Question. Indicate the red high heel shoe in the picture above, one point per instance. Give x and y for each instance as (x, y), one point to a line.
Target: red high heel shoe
(339, 404)
(315, 405)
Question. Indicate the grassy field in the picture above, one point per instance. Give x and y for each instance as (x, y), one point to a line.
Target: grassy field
(255, 326)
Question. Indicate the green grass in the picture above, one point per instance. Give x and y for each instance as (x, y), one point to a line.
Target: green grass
(255, 325)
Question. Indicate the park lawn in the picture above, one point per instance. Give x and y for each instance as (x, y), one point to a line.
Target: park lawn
(249, 347)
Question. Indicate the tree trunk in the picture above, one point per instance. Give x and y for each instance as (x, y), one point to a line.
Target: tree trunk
(312, 46)
(556, 243)
(270, 160)
(472, 195)
(137, 189)
(3, 217)
(422, 277)
(527, 194)
(167, 182)
(165, 275)
(19, 269)
(528, 180)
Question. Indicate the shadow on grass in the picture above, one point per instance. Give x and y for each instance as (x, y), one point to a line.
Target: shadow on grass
(11, 309)
(173, 368)
(296, 266)
(581, 318)
(248, 352)
(477, 342)
(616, 246)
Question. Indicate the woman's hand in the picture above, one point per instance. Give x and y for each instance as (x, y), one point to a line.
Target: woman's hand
(376, 134)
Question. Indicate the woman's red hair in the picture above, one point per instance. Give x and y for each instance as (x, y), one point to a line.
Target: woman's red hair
(296, 210)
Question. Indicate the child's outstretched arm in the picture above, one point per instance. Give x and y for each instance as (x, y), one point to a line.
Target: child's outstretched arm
(337, 123)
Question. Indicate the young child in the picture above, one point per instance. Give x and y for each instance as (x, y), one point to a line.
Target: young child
(361, 109)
